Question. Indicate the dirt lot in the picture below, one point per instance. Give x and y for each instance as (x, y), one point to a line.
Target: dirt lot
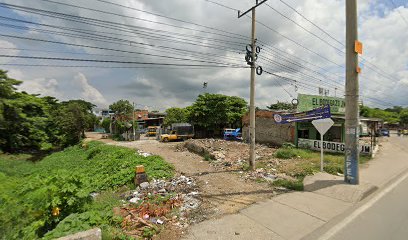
(223, 190)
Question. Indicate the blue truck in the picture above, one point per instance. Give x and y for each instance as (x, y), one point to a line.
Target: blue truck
(232, 134)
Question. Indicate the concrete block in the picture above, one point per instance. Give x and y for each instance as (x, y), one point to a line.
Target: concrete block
(92, 234)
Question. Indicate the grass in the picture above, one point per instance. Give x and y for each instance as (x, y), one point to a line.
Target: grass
(293, 185)
(303, 162)
(30, 191)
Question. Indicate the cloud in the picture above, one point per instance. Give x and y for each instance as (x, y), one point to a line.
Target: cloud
(88, 92)
(42, 86)
(381, 28)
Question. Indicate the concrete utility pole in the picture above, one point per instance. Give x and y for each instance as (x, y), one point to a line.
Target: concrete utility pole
(252, 87)
(352, 90)
(133, 114)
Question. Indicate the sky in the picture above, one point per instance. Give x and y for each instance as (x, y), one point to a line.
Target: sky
(161, 60)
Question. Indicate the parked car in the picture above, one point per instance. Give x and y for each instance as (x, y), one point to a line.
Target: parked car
(384, 132)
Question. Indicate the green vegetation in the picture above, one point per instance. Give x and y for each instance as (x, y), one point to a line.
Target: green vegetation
(123, 119)
(29, 122)
(281, 106)
(306, 162)
(63, 181)
(296, 185)
(216, 111)
(303, 162)
(175, 115)
(393, 115)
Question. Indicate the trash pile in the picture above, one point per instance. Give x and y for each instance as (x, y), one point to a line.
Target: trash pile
(159, 202)
(144, 154)
(227, 153)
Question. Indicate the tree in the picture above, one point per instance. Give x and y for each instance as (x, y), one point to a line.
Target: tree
(280, 106)
(404, 116)
(214, 111)
(175, 115)
(122, 108)
(31, 122)
(25, 120)
(8, 85)
(72, 119)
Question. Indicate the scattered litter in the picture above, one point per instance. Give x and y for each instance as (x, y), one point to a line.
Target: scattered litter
(144, 154)
(144, 185)
(154, 203)
(94, 194)
(134, 200)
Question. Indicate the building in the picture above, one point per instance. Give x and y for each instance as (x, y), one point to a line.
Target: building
(146, 119)
(307, 135)
(266, 129)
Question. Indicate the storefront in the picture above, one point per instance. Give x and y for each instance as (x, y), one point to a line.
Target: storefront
(306, 135)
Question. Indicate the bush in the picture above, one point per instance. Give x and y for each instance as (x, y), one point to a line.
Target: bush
(30, 191)
(285, 153)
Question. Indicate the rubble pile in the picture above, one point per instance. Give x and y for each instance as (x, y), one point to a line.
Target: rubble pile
(154, 203)
(228, 153)
(231, 155)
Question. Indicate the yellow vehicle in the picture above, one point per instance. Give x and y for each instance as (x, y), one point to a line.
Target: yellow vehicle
(174, 136)
(151, 131)
(180, 131)
(405, 131)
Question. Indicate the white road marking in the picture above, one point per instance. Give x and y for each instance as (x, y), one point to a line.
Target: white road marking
(329, 234)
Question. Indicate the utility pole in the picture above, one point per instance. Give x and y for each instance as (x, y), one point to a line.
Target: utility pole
(133, 114)
(352, 90)
(251, 61)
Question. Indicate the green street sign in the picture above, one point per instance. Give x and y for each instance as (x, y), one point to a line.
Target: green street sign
(309, 102)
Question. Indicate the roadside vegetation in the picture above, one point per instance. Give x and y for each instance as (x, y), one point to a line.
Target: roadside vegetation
(303, 162)
(69, 191)
(29, 122)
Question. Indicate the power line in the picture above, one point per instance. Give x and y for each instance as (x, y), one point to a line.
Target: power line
(97, 66)
(140, 19)
(171, 18)
(102, 48)
(127, 42)
(305, 29)
(374, 68)
(321, 29)
(160, 37)
(396, 8)
(122, 62)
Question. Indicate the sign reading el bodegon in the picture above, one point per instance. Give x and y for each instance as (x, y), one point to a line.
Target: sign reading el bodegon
(309, 102)
(330, 146)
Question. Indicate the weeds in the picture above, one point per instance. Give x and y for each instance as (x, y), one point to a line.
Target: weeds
(29, 192)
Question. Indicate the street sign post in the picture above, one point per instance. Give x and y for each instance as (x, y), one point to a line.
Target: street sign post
(317, 113)
(322, 125)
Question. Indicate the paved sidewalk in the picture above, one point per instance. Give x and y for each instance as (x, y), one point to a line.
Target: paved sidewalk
(296, 214)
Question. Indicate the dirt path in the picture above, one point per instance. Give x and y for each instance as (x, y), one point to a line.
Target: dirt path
(223, 192)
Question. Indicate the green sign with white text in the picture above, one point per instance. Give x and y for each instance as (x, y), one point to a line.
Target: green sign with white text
(309, 102)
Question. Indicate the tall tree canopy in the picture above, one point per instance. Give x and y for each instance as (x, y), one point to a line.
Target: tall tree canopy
(175, 115)
(280, 106)
(30, 122)
(213, 111)
(122, 108)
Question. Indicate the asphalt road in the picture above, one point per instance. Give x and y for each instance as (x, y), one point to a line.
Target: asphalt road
(385, 216)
